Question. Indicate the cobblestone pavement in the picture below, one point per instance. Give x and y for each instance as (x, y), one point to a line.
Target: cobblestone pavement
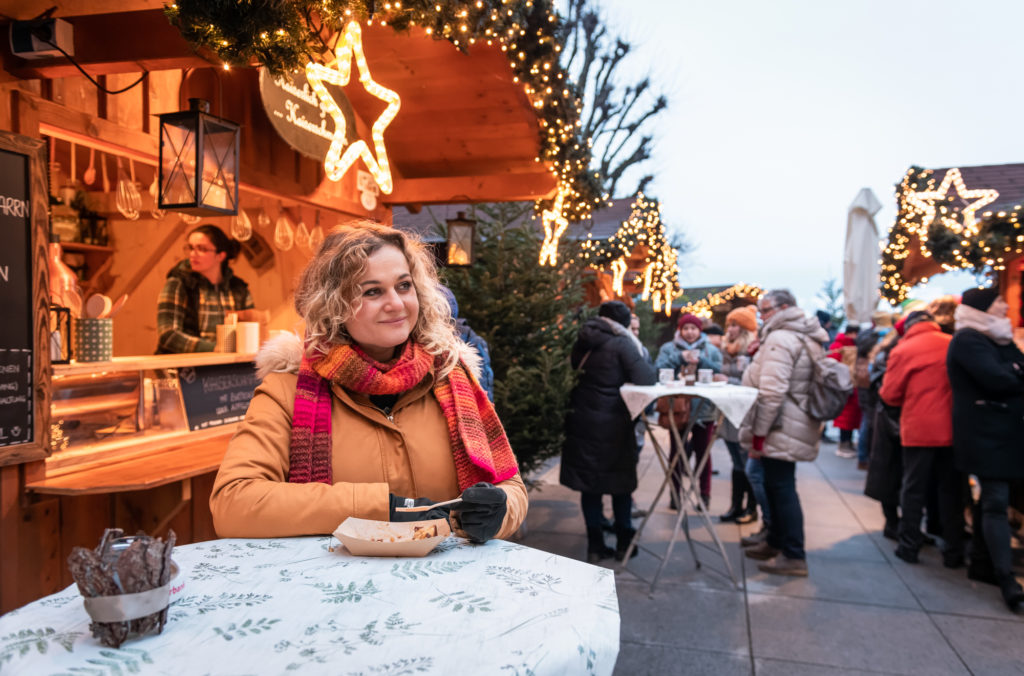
(860, 611)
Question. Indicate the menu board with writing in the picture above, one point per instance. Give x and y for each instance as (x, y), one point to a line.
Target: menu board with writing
(216, 395)
(16, 299)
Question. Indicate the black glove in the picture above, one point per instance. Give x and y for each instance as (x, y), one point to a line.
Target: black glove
(426, 515)
(482, 511)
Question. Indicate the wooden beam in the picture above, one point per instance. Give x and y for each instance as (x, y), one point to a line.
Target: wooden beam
(124, 42)
(24, 10)
(501, 188)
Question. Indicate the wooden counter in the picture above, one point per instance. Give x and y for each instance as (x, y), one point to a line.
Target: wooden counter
(151, 362)
(192, 455)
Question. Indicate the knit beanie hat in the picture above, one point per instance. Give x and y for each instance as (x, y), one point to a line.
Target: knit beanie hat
(615, 310)
(745, 317)
(713, 329)
(689, 318)
(980, 299)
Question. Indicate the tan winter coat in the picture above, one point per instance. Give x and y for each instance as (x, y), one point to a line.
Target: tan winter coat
(781, 368)
(409, 455)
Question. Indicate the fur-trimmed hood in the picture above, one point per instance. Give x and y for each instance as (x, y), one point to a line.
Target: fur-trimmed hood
(283, 354)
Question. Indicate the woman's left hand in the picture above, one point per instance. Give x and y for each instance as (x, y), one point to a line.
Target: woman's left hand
(482, 511)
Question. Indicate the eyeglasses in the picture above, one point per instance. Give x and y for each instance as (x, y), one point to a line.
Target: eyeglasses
(188, 248)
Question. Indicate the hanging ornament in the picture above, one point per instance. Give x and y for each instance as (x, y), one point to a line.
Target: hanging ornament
(284, 232)
(241, 226)
(302, 237)
(262, 219)
(190, 219)
(316, 238)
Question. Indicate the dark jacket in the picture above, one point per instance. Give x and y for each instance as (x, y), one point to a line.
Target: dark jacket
(473, 339)
(988, 405)
(599, 455)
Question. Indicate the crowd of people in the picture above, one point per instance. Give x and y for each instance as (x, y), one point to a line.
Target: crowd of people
(936, 408)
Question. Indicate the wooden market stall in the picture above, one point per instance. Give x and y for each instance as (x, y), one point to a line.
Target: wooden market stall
(958, 218)
(467, 130)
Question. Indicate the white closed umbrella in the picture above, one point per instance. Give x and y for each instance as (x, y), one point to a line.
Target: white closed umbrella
(860, 258)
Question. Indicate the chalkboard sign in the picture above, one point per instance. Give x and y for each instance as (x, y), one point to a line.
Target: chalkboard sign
(16, 298)
(216, 395)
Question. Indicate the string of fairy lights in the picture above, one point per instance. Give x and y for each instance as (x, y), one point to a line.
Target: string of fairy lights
(950, 234)
(286, 36)
(642, 232)
(704, 307)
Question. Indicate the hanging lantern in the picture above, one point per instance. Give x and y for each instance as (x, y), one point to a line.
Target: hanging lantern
(198, 162)
(460, 240)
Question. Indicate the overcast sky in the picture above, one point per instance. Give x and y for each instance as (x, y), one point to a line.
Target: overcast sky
(781, 111)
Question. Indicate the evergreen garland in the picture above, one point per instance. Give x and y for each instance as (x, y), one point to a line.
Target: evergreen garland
(999, 237)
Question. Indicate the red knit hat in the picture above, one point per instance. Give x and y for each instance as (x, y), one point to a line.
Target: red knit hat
(745, 317)
(690, 318)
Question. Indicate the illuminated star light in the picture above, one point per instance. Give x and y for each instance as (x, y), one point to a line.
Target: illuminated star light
(925, 202)
(338, 73)
(555, 224)
(618, 267)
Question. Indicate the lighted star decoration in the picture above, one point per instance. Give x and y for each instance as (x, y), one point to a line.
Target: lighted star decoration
(555, 225)
(925, 202)
(618, 267)
(338, 72)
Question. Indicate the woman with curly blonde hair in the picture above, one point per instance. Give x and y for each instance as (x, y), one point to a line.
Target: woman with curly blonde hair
(380, 400)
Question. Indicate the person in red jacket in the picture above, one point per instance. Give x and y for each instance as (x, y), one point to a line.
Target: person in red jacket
(844, 349)
(916, 380)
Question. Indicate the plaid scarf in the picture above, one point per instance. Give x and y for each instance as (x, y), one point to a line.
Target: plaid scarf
(479, 445)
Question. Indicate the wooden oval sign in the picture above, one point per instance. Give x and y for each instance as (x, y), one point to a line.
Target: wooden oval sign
(299, 118)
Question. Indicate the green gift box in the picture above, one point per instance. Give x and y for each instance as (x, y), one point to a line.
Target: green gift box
(94, 339)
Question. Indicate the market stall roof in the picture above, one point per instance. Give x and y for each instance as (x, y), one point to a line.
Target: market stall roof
(989, 195)
(466, 130)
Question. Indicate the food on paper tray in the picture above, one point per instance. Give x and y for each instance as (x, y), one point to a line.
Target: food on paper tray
(366, 537)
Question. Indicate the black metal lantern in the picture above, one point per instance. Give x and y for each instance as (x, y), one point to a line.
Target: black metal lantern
(198, 162)
(460, 240)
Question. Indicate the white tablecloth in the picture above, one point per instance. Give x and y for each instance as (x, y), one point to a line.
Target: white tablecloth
(732, 400)
(290, 605)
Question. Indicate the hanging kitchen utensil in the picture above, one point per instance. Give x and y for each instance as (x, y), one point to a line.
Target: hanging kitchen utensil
(134, 187)
(124, 200)
(103, 167)
(241, 226)
(89, 177)
(154, 191)
(284, 232)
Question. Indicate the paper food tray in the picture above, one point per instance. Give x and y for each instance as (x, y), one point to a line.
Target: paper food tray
(366, 537)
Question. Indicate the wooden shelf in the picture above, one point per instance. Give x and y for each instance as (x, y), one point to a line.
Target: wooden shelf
(98, 260)
(189, 457)
(151, 362)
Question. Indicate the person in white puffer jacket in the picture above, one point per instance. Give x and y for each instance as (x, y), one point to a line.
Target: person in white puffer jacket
(777, 429)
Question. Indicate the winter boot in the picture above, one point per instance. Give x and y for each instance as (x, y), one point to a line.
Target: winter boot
(1013, 594)
(749, 514)
(597, 550)
(736, 507)
(624, 537)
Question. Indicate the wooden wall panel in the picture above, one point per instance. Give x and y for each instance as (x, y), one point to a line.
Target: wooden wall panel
(83, 520)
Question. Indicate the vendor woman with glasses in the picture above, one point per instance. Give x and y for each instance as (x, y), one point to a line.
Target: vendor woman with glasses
(199, 293)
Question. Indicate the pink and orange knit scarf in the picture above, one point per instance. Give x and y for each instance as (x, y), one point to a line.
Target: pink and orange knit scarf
(479, 445)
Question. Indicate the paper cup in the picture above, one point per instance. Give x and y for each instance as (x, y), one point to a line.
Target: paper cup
(247, 337)
(704, 375)
(225, 338)
(666, 375)
(94, 339)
